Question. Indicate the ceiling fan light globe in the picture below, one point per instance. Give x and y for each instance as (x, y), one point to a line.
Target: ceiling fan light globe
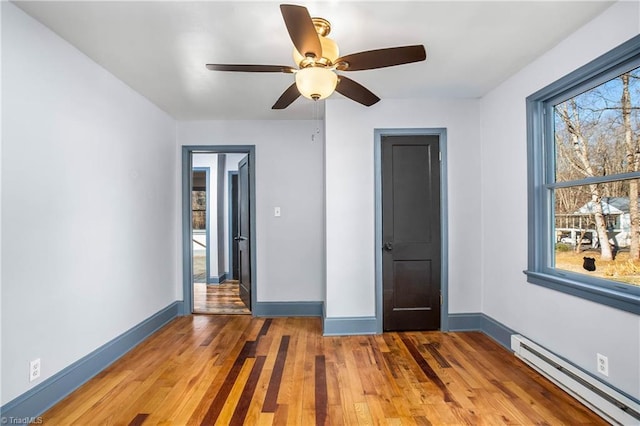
(316, 82)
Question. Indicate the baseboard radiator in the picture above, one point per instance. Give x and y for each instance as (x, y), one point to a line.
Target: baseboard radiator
(607, 402)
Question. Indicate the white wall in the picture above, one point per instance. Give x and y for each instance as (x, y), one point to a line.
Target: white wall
(350, 210)
(211, 161)
(1, 68)
(288, 175)
(88, 219)
(572, 327)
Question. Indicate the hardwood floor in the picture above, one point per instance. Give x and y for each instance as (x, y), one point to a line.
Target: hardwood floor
(218, 299)
(198, 266)
(221, 298)
(233, 370)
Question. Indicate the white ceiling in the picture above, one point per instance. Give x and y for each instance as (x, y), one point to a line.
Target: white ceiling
(160, 48)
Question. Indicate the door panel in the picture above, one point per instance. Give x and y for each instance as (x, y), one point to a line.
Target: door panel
(244, 234)
(411, 193)
(411, 232)
(408, 276)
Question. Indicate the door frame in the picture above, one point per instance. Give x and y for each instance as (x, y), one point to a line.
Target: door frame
(187, 151)
(444, 227)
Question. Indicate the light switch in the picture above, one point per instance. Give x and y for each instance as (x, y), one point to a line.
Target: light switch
(276, 211)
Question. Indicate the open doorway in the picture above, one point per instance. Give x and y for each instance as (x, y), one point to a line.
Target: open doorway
(218, 227)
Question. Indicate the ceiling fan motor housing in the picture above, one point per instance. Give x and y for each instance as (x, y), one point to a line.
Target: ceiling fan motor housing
(330, 51)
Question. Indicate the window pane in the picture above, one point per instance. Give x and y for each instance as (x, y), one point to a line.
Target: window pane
(588, 215)
(597, 132)
(199, 209)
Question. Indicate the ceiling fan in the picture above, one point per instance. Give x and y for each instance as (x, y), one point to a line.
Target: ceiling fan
(317, 59)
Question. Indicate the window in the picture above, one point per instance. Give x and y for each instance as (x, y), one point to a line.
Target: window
(199, 209)
(199, 199)
(584, 178)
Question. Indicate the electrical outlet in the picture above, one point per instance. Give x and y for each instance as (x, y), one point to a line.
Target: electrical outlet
(34, 369)
(603, 364)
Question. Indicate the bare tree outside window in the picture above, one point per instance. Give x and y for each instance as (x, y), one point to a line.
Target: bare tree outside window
(199, 209)
(597, 134)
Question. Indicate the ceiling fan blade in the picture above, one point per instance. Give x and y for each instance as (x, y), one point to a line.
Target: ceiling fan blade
(250, 68)
(289, 95)
(381, 58)
(355, 91)
(301, 30)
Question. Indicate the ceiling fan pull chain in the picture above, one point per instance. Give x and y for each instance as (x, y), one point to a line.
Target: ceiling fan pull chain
(315, 121)
(317, 115)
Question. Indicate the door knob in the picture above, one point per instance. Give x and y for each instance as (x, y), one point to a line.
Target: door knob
(388, 246)
(239, 238)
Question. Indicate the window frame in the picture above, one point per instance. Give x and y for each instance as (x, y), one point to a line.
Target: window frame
(541, 181)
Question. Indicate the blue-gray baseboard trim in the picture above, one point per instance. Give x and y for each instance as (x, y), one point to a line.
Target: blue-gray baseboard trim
(474, 321)
(46, 394)
(477, 321)
(181, 309)
(287, 309)
(344, 326)
(217, 280)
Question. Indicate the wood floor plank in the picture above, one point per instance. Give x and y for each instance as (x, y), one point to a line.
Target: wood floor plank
(232, 370)
(281, 416)
(309, 388)
(271, 397)
(230, 380)
(242, 407)
(335, 415)
(296, 375)
(230, 365)
(223, 418)
(321, 400)
(139, 419)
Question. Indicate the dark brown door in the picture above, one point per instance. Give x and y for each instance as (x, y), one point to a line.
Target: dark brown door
(235, 253)
(244, 234)
(411, 232)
